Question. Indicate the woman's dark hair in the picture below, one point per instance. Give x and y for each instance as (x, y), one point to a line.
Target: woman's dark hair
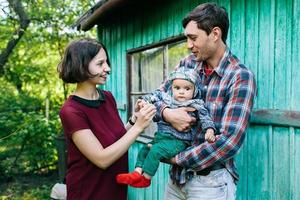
(74, 67)
(207, 16)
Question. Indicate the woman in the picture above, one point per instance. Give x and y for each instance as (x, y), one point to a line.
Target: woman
(96, 137)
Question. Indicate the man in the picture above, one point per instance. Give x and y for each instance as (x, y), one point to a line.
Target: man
(207, 170)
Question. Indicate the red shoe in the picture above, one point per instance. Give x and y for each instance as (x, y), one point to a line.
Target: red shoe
(129, 178)
(144, 182)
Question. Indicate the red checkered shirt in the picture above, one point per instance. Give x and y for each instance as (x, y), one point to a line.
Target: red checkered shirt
(228, 94)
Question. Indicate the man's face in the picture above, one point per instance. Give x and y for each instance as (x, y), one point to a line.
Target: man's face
(200, 44)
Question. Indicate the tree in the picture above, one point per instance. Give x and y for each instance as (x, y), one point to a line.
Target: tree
(23, 21)
(29, 82)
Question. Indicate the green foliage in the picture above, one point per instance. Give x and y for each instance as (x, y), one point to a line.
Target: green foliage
(33, 187)
(38, 193)
(29, 125)
(27, 136)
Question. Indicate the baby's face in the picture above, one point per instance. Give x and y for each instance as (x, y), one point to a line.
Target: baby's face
(182, 90)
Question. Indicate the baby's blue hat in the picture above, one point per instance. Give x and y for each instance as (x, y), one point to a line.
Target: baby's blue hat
(186, 74)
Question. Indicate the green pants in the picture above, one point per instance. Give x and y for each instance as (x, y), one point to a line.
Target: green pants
(164, 146)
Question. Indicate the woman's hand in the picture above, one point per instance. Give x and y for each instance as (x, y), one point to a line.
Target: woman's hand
(139, 104)
(145, 115)
(179, 118)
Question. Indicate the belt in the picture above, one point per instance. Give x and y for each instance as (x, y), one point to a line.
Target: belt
(206, 171)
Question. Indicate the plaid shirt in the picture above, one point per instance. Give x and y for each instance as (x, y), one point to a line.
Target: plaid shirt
(228, 93)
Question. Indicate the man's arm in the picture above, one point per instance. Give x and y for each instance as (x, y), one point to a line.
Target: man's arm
(233, 124)
(179, 117)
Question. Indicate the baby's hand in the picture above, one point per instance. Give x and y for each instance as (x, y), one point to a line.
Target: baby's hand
(210, 135)
(139, 104)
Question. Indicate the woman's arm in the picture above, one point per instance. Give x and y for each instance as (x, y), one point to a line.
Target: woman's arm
(137, 107)
(130, 122)
(92, 149)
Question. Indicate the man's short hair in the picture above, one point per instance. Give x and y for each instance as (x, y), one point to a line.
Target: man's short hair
(207, 16)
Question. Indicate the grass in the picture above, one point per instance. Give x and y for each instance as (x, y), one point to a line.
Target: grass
(29, 187)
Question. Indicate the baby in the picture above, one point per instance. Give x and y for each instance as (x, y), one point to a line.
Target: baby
(167, 141)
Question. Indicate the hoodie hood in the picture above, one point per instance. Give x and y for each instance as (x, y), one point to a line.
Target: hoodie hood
(186, 74)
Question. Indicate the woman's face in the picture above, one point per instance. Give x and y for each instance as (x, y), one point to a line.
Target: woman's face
(99, 67)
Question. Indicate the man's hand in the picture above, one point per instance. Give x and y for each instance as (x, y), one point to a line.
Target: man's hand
(179, 118)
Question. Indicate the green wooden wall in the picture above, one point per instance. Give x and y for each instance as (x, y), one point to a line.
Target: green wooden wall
(265, 35)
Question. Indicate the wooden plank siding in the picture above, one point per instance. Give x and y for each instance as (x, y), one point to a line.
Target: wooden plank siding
(265, 35)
